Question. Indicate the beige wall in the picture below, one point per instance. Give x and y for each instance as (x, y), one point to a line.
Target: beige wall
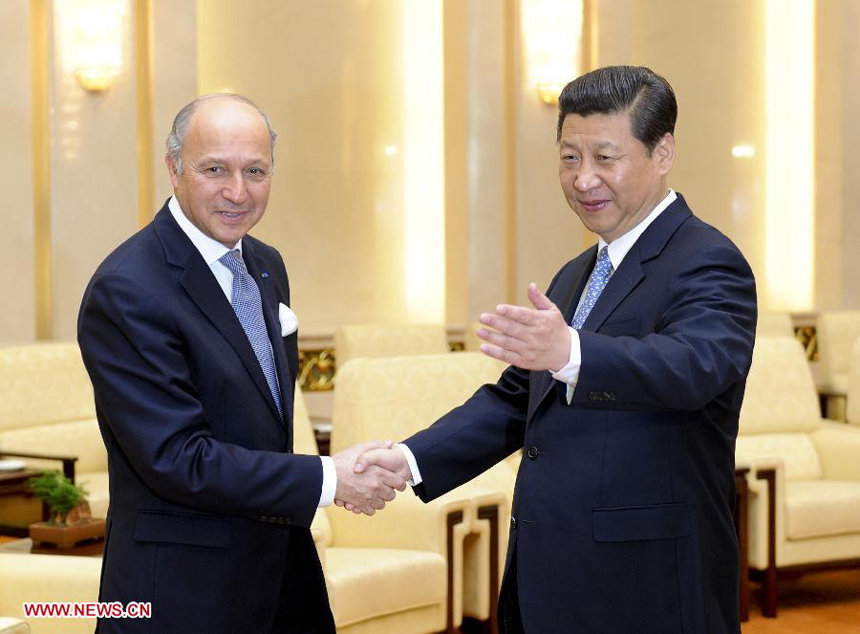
(18, 314)
(337, 209)
(336, 101)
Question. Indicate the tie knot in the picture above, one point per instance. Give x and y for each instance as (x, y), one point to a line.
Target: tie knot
(603, 264)
(233, 261)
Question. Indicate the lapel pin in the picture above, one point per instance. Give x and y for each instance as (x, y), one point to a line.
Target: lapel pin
(264, 274)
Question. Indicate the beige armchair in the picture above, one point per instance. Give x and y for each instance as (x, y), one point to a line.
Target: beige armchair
(377, 340)
(852, 403)
(396, 571)
(48, 578)
(47, 409)
(836, 333)
(8, 625)
(803, 503)
(392, 398)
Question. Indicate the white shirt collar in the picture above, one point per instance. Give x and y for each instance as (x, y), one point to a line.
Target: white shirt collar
(619, 247)
(210, 249)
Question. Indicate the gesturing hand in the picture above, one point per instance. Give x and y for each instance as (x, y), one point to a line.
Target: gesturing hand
(365, 492)
(536, 339)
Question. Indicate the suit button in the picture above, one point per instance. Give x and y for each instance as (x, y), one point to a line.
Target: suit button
(532, 452)
(513, 522)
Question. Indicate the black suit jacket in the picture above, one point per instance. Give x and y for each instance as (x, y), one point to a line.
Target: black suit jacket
(207, 502)
(623, 503)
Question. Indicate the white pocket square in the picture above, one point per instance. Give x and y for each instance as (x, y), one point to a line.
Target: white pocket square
(288, 319)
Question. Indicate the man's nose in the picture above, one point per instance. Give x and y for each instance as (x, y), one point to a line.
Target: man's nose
(586, 178)
(235, 190)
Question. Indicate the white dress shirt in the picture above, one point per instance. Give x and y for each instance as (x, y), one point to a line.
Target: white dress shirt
(212, 252)
(569, 374)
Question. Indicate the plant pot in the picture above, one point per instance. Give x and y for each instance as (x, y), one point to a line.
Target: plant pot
(67, 536)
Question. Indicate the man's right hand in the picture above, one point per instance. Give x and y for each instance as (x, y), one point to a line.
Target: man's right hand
(366, 491)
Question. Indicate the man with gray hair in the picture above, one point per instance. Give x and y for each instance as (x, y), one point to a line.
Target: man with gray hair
(187, 335)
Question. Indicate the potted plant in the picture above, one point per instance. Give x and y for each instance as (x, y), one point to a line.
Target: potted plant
(70, 521)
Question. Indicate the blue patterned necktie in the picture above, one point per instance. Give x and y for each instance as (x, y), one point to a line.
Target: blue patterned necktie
(248, 306)
(596, 283)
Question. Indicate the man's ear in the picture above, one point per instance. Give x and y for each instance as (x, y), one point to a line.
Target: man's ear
(664, 153)
(171, 170)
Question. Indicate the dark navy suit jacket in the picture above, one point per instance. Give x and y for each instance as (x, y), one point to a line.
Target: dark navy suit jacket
(624, 498)
(209, 510)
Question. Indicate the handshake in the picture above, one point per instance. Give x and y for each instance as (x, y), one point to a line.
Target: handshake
(368, 475)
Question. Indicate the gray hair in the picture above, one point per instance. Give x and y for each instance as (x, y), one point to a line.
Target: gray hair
(176, 138)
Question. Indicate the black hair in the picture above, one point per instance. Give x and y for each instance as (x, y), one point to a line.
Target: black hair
(646, 95)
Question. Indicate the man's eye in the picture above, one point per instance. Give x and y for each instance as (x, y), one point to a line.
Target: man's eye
(256, 172)
(569, 157)
(603, 158)
(215, 169)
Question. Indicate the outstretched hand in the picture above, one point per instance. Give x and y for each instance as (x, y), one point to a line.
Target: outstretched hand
(366, 491)
(387, 458)
(531, 339)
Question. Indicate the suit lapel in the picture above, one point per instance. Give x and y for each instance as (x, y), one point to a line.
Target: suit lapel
(649, 245)
(203, 288)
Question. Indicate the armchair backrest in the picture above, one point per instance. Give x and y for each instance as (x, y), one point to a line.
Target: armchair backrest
(837, 331)
(47, 406)
(780, 408)
(772, 324)
(377, 340)
(395, 397)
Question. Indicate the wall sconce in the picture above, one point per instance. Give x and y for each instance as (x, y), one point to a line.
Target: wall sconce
(552, 34)
(91, 39)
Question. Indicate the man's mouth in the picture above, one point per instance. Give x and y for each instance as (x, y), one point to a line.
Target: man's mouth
(593, 205)
(231, 215)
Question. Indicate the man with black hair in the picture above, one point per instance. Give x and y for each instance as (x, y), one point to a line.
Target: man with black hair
(624, 391)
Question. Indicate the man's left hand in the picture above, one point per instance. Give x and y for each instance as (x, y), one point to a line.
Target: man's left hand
(531, 339)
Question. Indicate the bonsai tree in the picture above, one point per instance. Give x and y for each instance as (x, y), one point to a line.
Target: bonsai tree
(58, 492)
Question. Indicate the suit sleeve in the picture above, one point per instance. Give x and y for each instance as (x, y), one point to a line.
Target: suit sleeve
(471, 438)
(701, 347)
(134, 353)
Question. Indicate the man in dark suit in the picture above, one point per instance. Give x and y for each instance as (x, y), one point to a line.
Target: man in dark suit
(624, 393)
(188, 338)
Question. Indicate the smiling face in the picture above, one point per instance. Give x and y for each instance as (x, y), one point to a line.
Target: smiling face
(608, 176)
(227, 170)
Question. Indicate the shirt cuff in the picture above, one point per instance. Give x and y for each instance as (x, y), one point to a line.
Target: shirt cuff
(413, 465)
(329, 485)
(570, 373)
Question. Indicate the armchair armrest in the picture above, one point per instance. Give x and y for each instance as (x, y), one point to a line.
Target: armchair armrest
(319, 542)
(838, 446)
(68, 461)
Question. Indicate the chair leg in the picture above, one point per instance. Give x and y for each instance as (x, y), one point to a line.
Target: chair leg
(453, 519)
(491, 513)
(769, 590)
(742, 531)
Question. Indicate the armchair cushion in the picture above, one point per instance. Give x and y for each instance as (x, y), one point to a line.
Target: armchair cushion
(818, 508)
(366, 583)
